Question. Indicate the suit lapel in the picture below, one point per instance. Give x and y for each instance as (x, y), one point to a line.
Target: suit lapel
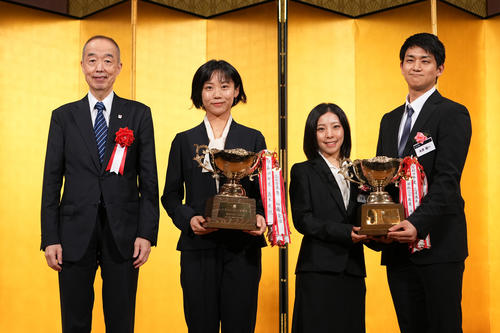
(324, 171)
(424, 115)
(232, 136)
(201, 136)
(84, 124)
(115, 123)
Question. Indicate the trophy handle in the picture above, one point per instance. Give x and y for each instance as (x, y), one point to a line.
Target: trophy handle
(255, 166)
(199, 157)
(399, 174)
(346, 163)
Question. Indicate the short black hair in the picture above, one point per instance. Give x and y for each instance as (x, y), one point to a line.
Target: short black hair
(310, 139)
(428, 42)
(204, 73)
(101, 37)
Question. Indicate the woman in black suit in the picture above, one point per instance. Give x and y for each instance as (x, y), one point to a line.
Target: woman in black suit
(330, 287)
(220, 269)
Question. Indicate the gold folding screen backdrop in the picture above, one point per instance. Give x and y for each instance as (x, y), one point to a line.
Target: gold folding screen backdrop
(351, 62)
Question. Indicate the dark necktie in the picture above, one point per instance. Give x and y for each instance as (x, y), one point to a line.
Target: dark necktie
(406, 131)
(101, 130)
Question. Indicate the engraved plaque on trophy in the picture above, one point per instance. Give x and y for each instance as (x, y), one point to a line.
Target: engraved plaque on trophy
(379, 213)
(230, 208)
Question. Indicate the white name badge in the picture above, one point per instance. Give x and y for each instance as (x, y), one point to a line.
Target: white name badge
(425, 147)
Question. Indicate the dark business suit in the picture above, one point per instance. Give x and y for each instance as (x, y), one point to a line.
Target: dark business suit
(330, 287)
(99, 212)
(431, 280)
(220, 271)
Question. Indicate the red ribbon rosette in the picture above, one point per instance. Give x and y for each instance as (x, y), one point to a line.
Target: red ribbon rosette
(406, 168)
(124, 138)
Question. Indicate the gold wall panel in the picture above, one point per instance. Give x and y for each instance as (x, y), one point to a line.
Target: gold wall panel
(490, 186)
(463, 81)
(39, 68)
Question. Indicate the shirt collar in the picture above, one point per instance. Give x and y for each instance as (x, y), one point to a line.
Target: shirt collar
(418, 103)
(210, 133)
(107, 101)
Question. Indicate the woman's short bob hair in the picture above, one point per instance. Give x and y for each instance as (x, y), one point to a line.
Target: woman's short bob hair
(310, 139)
(226, 72)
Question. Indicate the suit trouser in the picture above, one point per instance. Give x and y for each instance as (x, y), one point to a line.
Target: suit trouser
(427, 298)
(220, 286)
(119, 285)
(329, 302)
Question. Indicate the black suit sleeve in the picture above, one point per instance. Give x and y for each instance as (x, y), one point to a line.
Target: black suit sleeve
(52, 183)
(380, 143)
(260, 143)
(452, 144)
(302, 212)
(148, 181)
(173, 192)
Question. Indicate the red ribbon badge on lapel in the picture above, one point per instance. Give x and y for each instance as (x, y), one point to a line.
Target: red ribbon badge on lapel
(123, 138)
(420, 137)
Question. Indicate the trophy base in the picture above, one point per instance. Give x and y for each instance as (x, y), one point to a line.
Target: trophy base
(377, 218)
(227, 212)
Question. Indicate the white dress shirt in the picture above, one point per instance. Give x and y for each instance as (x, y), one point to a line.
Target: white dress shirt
(218, 143)
(107, 101)
(417, 106)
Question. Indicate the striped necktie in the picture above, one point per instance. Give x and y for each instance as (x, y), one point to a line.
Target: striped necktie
(406, 131)
(100, 130)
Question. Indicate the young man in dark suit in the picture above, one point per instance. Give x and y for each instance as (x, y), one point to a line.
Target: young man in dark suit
(426, 285)
(108, 213)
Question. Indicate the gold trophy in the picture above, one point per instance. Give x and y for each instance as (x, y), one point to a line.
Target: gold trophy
(379, 213)
(230, 208)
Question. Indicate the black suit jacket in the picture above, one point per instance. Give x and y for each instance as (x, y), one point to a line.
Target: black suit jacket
(441, 212)
(319, 214)
(184, 172)
(130, 200)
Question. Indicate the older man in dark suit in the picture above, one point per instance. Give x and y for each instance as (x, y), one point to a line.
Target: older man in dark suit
(102, 149)
(426, 285)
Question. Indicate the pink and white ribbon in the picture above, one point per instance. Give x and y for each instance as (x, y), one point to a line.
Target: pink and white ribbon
(273, 198)
(412, 188)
